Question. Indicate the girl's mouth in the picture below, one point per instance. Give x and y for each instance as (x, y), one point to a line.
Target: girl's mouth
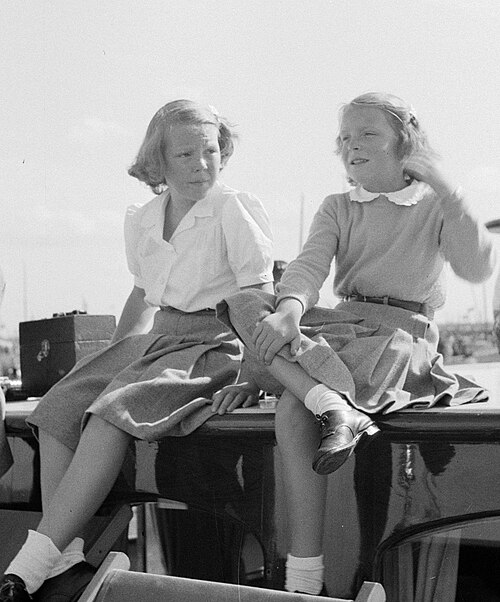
(358, 161)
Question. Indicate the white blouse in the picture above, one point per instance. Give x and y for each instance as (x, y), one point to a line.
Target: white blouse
(222, 244)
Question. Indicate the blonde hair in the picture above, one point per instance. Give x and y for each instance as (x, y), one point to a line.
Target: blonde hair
(150, 164)
(402, 118)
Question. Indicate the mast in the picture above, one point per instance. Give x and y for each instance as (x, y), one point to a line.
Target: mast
(25, 293)
(301, 221)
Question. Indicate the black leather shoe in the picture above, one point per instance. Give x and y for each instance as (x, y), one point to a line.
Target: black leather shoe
(341, 431)
(68, 586)
(13, 589)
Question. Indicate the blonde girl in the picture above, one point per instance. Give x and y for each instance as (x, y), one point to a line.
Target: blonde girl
(391, 236)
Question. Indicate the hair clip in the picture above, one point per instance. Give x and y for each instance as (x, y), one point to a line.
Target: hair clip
(394, 114)
(214, 111)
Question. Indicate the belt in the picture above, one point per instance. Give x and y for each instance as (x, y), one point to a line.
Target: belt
(414, 306)
(205, 311)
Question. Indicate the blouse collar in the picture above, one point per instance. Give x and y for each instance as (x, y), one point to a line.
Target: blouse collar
(410, 195)
(155, 212)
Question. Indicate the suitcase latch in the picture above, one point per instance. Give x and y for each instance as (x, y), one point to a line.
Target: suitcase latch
(44, 350)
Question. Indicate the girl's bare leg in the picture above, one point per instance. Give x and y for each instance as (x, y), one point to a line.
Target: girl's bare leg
(293, 376)
(52, 472)
(86, 482)
(297, 435)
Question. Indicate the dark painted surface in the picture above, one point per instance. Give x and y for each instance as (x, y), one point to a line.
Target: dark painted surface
(429, 468)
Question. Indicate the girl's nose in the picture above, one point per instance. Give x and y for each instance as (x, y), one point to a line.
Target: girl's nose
(200, 163)
(354, 144)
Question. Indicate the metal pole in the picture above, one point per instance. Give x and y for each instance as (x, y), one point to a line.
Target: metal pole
(301, 224)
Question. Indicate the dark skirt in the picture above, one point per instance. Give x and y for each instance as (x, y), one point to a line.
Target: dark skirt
(150, 385)
(380, 357)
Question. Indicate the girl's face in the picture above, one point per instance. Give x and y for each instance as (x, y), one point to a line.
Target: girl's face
(193, 160)
(369, 149)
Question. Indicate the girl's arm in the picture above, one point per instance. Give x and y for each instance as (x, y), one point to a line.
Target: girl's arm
(135, 317)
(279, 329)
(245, 392)
(249, 246)
(299, 288)
(465, 242)
(272, 334)
(305, 275)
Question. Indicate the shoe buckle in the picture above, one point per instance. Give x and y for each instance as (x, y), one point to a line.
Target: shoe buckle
(322, 419)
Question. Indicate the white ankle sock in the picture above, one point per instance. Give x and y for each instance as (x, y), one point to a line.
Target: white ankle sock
(321, 399)
(71, 555)
(34, 560)
(304, 574)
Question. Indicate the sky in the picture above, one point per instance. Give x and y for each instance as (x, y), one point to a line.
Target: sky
(80, 82)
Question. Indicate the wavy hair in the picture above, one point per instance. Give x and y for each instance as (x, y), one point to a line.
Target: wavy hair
(400, 115)
(150, 164)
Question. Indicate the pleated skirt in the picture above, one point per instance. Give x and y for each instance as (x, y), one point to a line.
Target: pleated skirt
(380, 357)
(150, 386)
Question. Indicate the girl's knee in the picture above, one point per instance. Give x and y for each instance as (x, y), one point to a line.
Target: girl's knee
(97, 426)
(247, 308)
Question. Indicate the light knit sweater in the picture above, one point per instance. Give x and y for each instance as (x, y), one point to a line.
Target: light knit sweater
(381, 248)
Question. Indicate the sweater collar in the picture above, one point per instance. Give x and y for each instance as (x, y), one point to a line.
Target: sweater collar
(410, 195)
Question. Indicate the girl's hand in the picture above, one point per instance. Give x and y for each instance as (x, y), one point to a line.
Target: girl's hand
(424, 168)
(273, 333)
(234, 396)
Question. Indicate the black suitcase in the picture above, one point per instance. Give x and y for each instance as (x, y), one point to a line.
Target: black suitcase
(50, 348)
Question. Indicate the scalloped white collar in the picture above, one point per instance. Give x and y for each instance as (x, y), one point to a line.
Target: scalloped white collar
(410, 195)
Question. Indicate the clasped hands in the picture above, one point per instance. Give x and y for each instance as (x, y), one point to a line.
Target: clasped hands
(271, 334)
